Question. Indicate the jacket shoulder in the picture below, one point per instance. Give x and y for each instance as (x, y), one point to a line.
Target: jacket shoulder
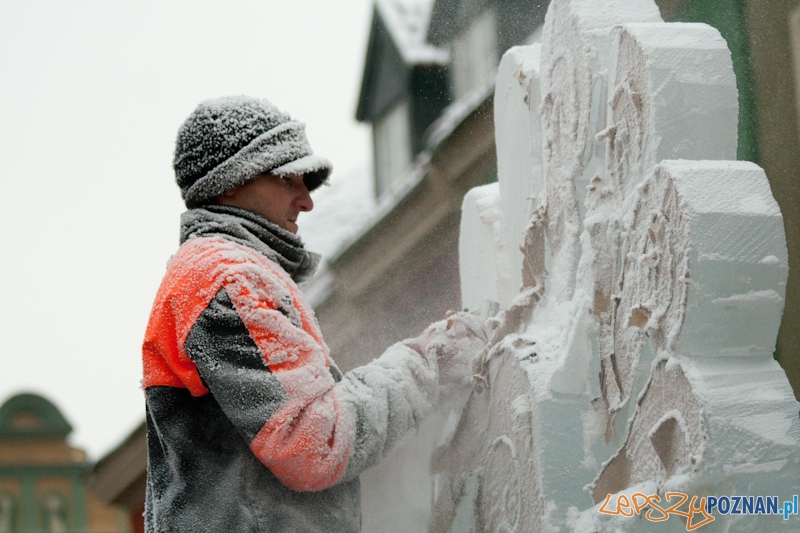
(206, 259)
(195, 274)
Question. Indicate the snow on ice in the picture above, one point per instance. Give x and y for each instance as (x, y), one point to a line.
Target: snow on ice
(641, 275)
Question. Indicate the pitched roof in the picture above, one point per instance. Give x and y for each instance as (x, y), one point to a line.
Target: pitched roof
(30, 416)
(397, 47)
(407, 23)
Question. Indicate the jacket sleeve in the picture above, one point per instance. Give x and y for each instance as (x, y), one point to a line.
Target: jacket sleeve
(272, 379)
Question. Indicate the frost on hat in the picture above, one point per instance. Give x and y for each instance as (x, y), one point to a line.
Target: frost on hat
(228, 141)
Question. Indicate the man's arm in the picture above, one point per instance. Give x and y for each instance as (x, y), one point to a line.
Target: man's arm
(272, 380)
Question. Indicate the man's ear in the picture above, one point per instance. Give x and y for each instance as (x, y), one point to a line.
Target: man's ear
(229, 194)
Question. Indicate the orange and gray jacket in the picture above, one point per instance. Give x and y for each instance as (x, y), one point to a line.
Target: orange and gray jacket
(251, 427)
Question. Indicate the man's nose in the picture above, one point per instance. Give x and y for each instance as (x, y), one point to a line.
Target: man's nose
(303, 200)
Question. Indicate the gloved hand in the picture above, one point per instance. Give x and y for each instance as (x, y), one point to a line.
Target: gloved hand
(453, 342)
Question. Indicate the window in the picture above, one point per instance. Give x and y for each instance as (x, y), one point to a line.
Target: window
(392, 146)
(54, 513)
(26, 420)
(8, 513)
(474, 55)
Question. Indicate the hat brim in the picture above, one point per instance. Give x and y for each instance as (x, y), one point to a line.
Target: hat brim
(314, 169)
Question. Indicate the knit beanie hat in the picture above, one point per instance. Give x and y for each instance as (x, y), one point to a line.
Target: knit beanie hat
(228, 141)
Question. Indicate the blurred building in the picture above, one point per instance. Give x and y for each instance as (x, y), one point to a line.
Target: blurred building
(427, 92)
(43, 479)
(120, 478)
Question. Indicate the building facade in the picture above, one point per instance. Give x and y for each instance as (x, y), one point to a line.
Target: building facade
(43, 479)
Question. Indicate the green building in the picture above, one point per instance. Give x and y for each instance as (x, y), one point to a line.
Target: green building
(43, 479)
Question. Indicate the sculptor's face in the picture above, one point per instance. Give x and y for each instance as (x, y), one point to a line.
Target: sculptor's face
(279, 200)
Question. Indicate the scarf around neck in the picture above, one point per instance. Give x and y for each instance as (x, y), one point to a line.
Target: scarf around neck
(249, 229)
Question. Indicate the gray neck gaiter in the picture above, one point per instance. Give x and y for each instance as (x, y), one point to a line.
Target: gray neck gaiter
(249, 229)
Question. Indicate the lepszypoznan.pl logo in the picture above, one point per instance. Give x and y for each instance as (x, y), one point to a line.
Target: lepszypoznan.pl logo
(699, 511)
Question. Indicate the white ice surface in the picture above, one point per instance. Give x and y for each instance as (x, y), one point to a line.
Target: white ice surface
(484, 263)
(654, 332)
(519, 145)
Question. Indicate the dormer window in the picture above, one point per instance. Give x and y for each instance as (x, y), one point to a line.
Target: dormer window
(404, 88)
(392, 142)
(474, 55)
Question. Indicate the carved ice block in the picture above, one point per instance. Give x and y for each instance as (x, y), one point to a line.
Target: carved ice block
(490, 483)
(672, 95)
(640, 358)
(717, 413)
(708, 427)
(705, 264)
(519, 145)
(576, 41)
(738, 261)
(483, 255)
(575, 45)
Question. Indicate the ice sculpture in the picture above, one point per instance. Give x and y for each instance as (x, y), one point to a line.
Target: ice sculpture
(633, 354)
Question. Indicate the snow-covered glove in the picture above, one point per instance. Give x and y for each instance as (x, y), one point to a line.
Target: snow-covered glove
(453, 342)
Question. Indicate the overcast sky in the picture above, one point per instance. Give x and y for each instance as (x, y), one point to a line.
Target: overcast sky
(91, 96)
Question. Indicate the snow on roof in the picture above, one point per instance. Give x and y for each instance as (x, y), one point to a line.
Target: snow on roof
(454, 114)
(407, 22)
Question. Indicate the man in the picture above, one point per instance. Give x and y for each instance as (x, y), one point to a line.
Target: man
(251, 426)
